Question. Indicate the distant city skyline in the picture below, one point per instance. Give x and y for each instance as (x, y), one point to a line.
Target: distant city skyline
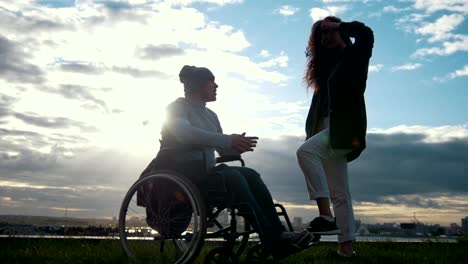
(28, 225)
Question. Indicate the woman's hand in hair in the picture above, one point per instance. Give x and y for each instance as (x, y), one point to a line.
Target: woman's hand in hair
(331, 37)
(242, 143)
(329, 26)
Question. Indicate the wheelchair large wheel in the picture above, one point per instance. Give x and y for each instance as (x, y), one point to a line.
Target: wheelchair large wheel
(163, 219)
(236, 238)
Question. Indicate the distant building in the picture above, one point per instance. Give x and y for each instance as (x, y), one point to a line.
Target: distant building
(465, 225)
(389, 225)
(412, 225)
(408, 228)
(362, 230)
(454, 230)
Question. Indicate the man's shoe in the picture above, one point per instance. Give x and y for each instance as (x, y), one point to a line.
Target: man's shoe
(321, 226)
(291, 243)
(300, 240)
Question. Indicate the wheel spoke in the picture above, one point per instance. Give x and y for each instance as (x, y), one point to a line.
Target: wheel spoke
(137, 213)
(148, 220)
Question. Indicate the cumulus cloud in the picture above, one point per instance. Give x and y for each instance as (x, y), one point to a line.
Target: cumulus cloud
(280, 61)
(409, 23)
(402, 208)
(395, 163)
(30, 20)
(77, 92)
(459, 73)
(320, 13)
(375, 67)
(403, 167)
(440, 30)
(51, 122)
(152, 52)
(6, 103)
(287, 10)
(455, 74)
(460, 43)
(338, 1)
(214, 2)
(140, 73)
(84, 68)
(264, 53)
(149, 53)
(435, 200)
(103, 45)
(51, 200)
(441, 33)
(233, 40)
(393, 9)
(36, 183)
(34, 153)
(432, 6)
(412, 18)
(14, 66)
(407, 67)
(442, 134)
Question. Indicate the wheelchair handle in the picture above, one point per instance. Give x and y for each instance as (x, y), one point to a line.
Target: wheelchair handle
(229, 158)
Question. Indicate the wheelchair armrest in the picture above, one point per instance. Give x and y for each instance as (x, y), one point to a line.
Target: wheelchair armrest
(229, 158)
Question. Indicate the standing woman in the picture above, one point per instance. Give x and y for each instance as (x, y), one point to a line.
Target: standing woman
(336, 123)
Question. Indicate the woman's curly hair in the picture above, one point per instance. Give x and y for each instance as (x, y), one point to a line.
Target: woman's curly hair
(320, 59)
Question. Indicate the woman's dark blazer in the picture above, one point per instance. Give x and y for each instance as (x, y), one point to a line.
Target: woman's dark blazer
(346, 87)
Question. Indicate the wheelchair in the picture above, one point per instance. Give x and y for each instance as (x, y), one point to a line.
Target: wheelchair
(173, 225)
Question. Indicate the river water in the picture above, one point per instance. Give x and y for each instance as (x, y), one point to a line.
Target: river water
(323, 239)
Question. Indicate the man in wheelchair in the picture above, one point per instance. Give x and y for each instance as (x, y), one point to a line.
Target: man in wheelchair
(189, 137)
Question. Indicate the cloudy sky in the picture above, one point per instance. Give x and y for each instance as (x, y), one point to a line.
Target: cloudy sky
(84, 85)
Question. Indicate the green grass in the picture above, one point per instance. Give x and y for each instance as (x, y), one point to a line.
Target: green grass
(23, 250)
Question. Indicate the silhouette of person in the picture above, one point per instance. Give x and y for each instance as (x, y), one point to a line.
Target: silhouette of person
(190, 123)
(336, 123)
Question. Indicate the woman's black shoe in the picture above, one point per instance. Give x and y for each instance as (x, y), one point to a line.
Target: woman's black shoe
(321, 226)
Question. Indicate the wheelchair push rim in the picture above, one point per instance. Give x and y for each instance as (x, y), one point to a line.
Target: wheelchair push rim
(143, 237)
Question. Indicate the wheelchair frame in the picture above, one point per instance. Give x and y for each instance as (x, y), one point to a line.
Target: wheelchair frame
(207, 215)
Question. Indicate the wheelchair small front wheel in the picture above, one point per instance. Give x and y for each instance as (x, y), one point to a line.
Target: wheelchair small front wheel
(221, 255)
(163, 219)
(258, 253)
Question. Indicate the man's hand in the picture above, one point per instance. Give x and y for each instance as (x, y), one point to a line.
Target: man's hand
(242, 143)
